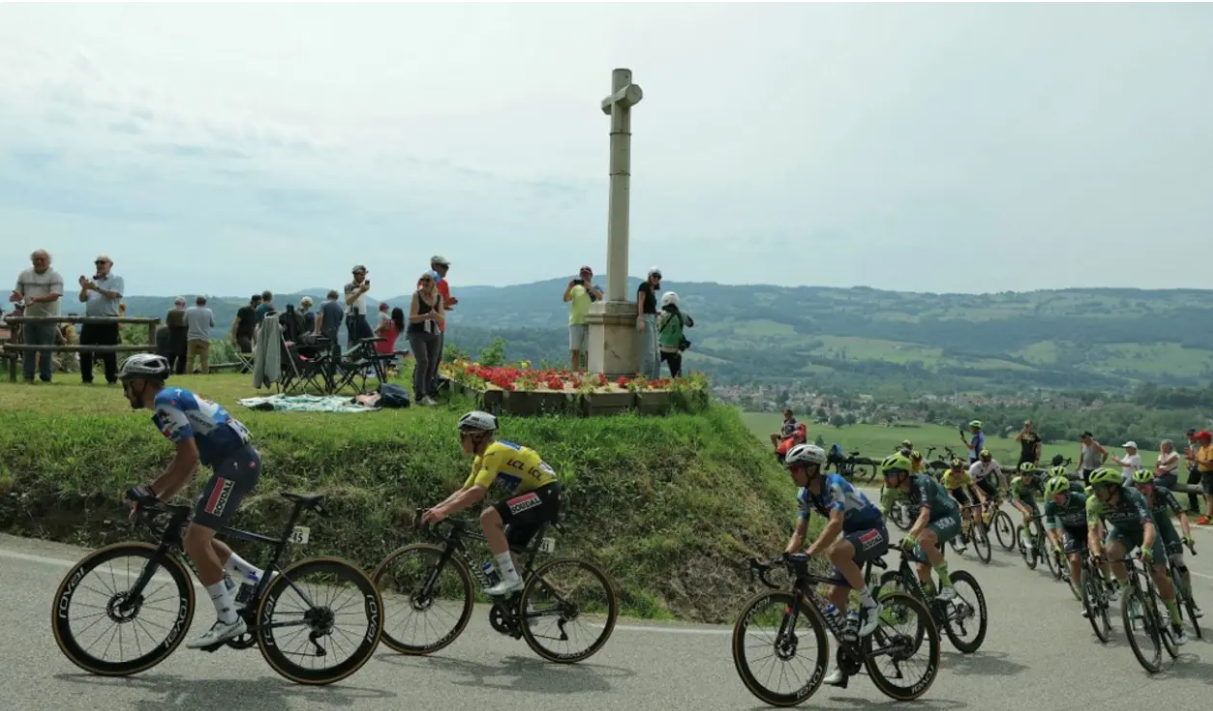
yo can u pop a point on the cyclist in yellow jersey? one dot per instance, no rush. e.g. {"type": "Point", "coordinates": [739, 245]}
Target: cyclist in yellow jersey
{"type": "Point", "coordinates": [961, 487]}
{"type": "Point", "coordinates": [533, 494]}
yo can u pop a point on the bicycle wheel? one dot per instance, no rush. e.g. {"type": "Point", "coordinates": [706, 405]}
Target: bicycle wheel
{"type": "Point", "coordinates": [1064, 564]}
{"type": "Point", "coordinates": [1045, 550]}
{"type": "Point", "coordinates": [965, 620]}
{"type": "Point", "coordinates": [335, 604]}
{"type": "Point", "coordinates": [563, 593]}
{"type": "Point", "coordinates": [1189, 605]}
{"type": "Point", "coordinates": [897, 513]}
{"type": "Point", "coordinates": [1141, 630]}
{"type": "Point", "coordinates": [421, 598]}
{"type": "Point", "coordinates": [901, 634]}
{"type": "Point", "coordinates": [764, 635]}
{"type": "Point", "coordinates": [1004, 530]}
{"type": "Point", "coordinates": [981, 541]}
{"type": "Point", "coordinates": [1095, 601]}
{"type": "Point", "coordinates": [1028, 552]}
{"type": "Point", "coordinates": [97, 591]}
{"type": "Point", "coordinates": [1163, 618]}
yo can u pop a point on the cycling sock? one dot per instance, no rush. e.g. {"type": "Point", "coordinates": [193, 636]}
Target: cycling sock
{"type": "Point", "coordinates": [221, 598]}
{"type": "Point", "coordinates": [942, 569]}
{"type": "Point", "coordinates": [865, 597]}
{"type": "Point", "coordinates": [1173, 608]}
{"type": "Point", "coordinates": [928, 586]}
{"type": "Point", "coordinates": [236, 564]}
{"type": "Point", "coordinates": [505, 564]}
{"type": "Point", "coordinates": [1124, 582]}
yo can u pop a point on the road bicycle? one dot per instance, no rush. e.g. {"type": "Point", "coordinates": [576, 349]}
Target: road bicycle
{"type": "Point", "coordinates": [999, 521]}
{"type": "Point", "coordinates": [1143, 615]}
{"type": "Point", "coordinates": [412, 580]}
{"type": "Point", "coordinates": [958, 617]}
{"type": "Point", "coordinates": [327, 606]}
{"type": "Point", "coordinates": [775, 625]}
{"type": "Point", "coordinates": [1183, 595]}
{"type": "Point", "coordinates": [899, 511]}
{"type": "Point", "coordinates": [1096, 598]}
{"type": "Point", "coordinates": [1040, 547]}
{"type": "Point", "coordinates": [852, 467]}
{"type": "Point", "coordinates": [975, 534]}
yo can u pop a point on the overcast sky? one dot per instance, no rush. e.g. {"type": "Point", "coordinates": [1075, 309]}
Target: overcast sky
{"type": "Point", "coordinates": [226, 149]}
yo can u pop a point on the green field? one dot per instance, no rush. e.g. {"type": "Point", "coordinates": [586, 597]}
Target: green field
{"type": "Point", "coordinates": [877, 440]}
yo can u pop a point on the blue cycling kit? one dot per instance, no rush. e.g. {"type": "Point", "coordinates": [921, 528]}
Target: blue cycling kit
{"type": "Point", "coordinates": [182, 415]}
{"type": "Point", "coordinates": [837, 494]}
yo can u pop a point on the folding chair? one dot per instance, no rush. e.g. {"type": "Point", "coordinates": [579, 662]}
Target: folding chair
{"type": "Point", "coordinates": [359, 363]}
{"type": "Point", "coordinates": [300, 371]}
{"type": "Point", "coordinates": [245, 361]}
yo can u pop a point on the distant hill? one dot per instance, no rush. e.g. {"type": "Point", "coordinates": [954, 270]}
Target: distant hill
{"type": "Point", "coordinates": [864, 338]}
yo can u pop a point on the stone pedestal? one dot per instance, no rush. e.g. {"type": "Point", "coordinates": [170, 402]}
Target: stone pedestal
{"type": "Point", "coordinates": [614, 342]}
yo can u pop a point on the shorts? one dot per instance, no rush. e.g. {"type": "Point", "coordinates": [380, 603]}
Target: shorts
{"type": "Point", "coordinates": [1165, 530]}
{"type": "Point", "coordinates": [232, 478]}
{"type": "Point", "coordinates": [525, 514]}
{"type": "Point", "coordinates": [1131, 541]}
{"type": "Point", "coordinates": [1074, 540]}
{"type": "Point", "coordinates": [988, 487]}
{"type": "Point", "coordinates": [579, 337]}
{"type": "Point", "coordinates": [960, 495]}
{"type": "Point", "coordinates": [1206, 482]}
{"type": "Point", "coordinates": [945, 528]}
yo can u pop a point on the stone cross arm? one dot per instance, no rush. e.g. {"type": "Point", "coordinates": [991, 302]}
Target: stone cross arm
{"type": "Point", "coordinates": [625, 98]}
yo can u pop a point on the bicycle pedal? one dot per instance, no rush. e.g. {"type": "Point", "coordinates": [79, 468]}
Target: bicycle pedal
{"type": "Point", "coordinates": [213, 648]}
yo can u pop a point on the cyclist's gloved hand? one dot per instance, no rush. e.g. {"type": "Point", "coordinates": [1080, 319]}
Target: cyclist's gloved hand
{"type": "Point", "coordinates": [1187, 541]}
{"type": "Point", "coordinates": [909, 542]}
{"type": "Point", "coordinates": [1146, 555]}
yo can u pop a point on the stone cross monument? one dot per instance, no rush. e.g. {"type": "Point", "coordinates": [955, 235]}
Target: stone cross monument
{"type": "Point", "coordinates": [614, 347]}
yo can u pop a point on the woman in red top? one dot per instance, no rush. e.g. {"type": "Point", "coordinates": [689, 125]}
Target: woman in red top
{"type": "Point", "coordinates": [390, 330]}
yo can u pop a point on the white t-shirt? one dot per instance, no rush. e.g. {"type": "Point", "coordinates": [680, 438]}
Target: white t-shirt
{"type": "Point", "coordinates": [359, 304]}
{"type": "Point", "coordinates": [1132, 462]}
{"type": "Point", "coordinates": [980, 471]}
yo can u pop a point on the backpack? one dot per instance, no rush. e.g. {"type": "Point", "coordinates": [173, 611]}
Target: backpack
{"type": "Point", "coordinates": [392, 395]}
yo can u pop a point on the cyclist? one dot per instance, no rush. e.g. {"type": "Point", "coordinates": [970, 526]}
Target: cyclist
{"type": "Point", "coordinates": [959, 486]}
{"type": "Point", "coordinates": [987, 474]}
{"type": "Point", "coordinates": [1162, 503]}
{"type": "Point", "coordinates": [916, 464]}
{"type": "Point", "coordinates": [1130, 525]}
{"type": "Point", "coordinates": [1066, 523]}
{"type": "Point", "coordinates": [204, 433]}
{"type": "Point", "coordinates": [937, 523]}
{"type": "Point", "coordinates": [1024, 489]}
{"type": "Point", "coordinates": [854, 534]}
{"type": "Point", "coordinates": [533, 494]}
{"type": "Point", "coordinates": [906, 447]}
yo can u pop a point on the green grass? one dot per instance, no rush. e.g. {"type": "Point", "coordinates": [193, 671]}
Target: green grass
{"type": "Point", "coordinates": [872, 349]}
{"type": "Point", "coordinates": [671, 505]}
{"type": "Point", "coordinates": [1159, 359]}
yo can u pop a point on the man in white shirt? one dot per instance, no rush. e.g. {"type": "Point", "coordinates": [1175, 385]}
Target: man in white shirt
{"type": "Point", "coordinates": [1130, 464]}
{"type": "Point", "coordinates": [986, 473]}
{"type": "Point", "coordinates": [101, 296]}
{"type": "Point", "coordinates": [40, 288]}
{"type": "Point", "coordinates": [356, 324]}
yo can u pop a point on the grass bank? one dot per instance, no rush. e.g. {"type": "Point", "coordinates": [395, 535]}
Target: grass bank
{"type": "Point", "coordinates": [669, 505]}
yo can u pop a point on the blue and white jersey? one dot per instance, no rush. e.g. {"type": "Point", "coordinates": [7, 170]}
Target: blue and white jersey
{"type": "Point", "coordinates": [837, 494]}
{"type": "Point", "coordinates": [182, 415]}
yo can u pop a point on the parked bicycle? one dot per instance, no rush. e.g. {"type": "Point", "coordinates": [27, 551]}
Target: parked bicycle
{"type": "Point", "coordinates": [852, 467]}
{"type": "Point", "coordinates": [326, 606]}
{"type": "Point", "coordinates": [412, 580]}
{"type": "Point", "coordinates": [1142, 613]}
{"type": "Point", "coordinates": [958, 617]}
{"type": "Point", "coordinates": [785, 622]}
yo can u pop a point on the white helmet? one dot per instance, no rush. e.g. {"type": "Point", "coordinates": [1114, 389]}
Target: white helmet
{"type": "Point", "coordinates": [144, 365]}
{"type": "Point", "coordinates": [805, 454]}
{"type": "Point", "coordinates": [478, 420]}
{"type": "Point", "coordinates": [669, 298]}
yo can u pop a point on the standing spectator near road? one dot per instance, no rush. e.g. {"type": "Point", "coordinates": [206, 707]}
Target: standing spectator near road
{"type": "Point", "coordinates": [328, 325]}
{"type": "Point", "coordinates": [265, 308]}
{"type": "Point", "coordinates": [1130, 464]}
{"type": "Point", "coordinates": [200, 321]}
{"type": "Point", "coordinates": [356, 325]}
{"type": "Point", "coordinates": [579, 294]}
{"type": "Point", "coordinates": [1193, 472]}
{"type": "Point", "coordinates": [425, 315]}
{"type": "Point", "coordinates": [1091, 456]}
{"type": "Point", "coordinates": [1204, 465]}
{"type": "Point", "coordinates": [164, 345]}
{"type": "Point", "coordinates": [439, 267]}
{"type": "Point", "coordinates": [1029, 444]}
{"type": "Point", "coordinates": [309, 316]}
{"type": "Point", "coordinates": [1165, 465]}
{"type": "Point", "coordinates": [646, 324]}
{"type": "Point", "coordinates": [101, 296]}
{"type": "Point", "coordinates": [245, 325]}
{"type": "Point", "coordinates": [178, 335]}
{"type": "Point", "coordinates": [978, 441]}
{"type": "Point", "coordinates": [39, 289]}
{"type": "Point", "coordinates": [671, 336]}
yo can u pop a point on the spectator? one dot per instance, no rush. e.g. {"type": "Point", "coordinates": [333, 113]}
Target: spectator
{"type": "Point", "coordinates": [245, 324]}
{"type": "Point", "coordinates": [579, 294]}
{"type": "Point", "coordinates": [1166, 464]}
{"type": "Point", "coordinates": [328, 325]}
{"type": "Point", "coordinates": [786, 429]}
{"type": "Point", "coordinates": [164, 346]}
{"type": "Point", "coordinates": [1193, 472]}
{"type": "Point", "coordinates": [292, 323]}
{"type": "Point", "coordinates": [39, 290]}
{"type": "Point", "coordinates": [646, 323]}
{"type": "Point", "coordinates": [384, 319]}
{"type": "Point", "coordinates": [670, 330]}
{"type": "Point", "coordinates": [263, 309]}
{"type": "Point", "coordinates": [309, 316]}
{"type": "Point", "coordinates": [1091, 456]}
{"type": "Point", "coordinates": [439, 267]}
{"type": "Point", "coordinates": [1204, 465]}
{"type": "Point", "coordinates": [390, 330]}
{"type": "Point", "coordinates": [1029, 444]}
{"type": "Point", "coordinates": [425, 317]}
{"type": "Point", "coordinates": [178, 335]}
{"type": "Point", "coordinates": [200, 320]}
{"type": "Point", "coordinates": [977, 443]}
{"type": "Point", "coordinates": [102, 296]}
{"type": "Point", "coordinates": [1130, 464]}
{"type": "Point", "coordinates": [356, 325]}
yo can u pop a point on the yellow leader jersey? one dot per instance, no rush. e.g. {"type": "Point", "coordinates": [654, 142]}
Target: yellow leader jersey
{"type": "Point", "coordinates": [519, 469]}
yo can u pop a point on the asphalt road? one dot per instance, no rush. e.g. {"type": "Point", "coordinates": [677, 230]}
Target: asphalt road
{"type": "Point", "coordinates": [1039, 650]}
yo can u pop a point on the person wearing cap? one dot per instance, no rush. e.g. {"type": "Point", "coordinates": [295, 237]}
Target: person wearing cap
{"type": "Point", "coordinates": [1204, 465]}
{"type": "Point", "coordinates": [646, 323]}
{"type": "Point", "coordinates": [101, 296]}
{"type": "Point", "coordinates": [356, 326]}
{"type": "Point", "coordinates": [1193, 472]}
{"type": "Point", "coordinates": [579, 294]}
{"type": "Point", "coordinates": [1130, 464]}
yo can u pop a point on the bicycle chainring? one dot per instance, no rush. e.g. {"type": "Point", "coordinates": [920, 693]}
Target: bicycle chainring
{"type": "Point", "coordinates": [848, 664]}
{"type": "Point", "coordinates": [501, 622]}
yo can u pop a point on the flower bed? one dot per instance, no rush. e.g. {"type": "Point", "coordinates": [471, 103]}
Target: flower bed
{"type": "Point", "coordinates": [520, 389]}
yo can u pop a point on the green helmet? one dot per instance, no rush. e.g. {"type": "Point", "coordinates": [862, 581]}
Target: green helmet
{"type": "Point", "coordinates": [895, 463]}
{"type": "Point", "coordinates": [916, 455]}
{"type": "Point", "coordinates": [1104, 476]}
{"type": "Point", "coordinates": [1027, 468]}
{"type": "Point", "coordinates": [984, 454]}
{"type": "Point", "coordinates": [907, 444]}
{"type": "Point", "coordinates": [975, 424]}
{"type": "Point", "coordinates": [1058, 471]}
{"type": "Point", "coordinates": [1057, 485]}
{"type": "Point", "coordinates": [1143, 476]}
